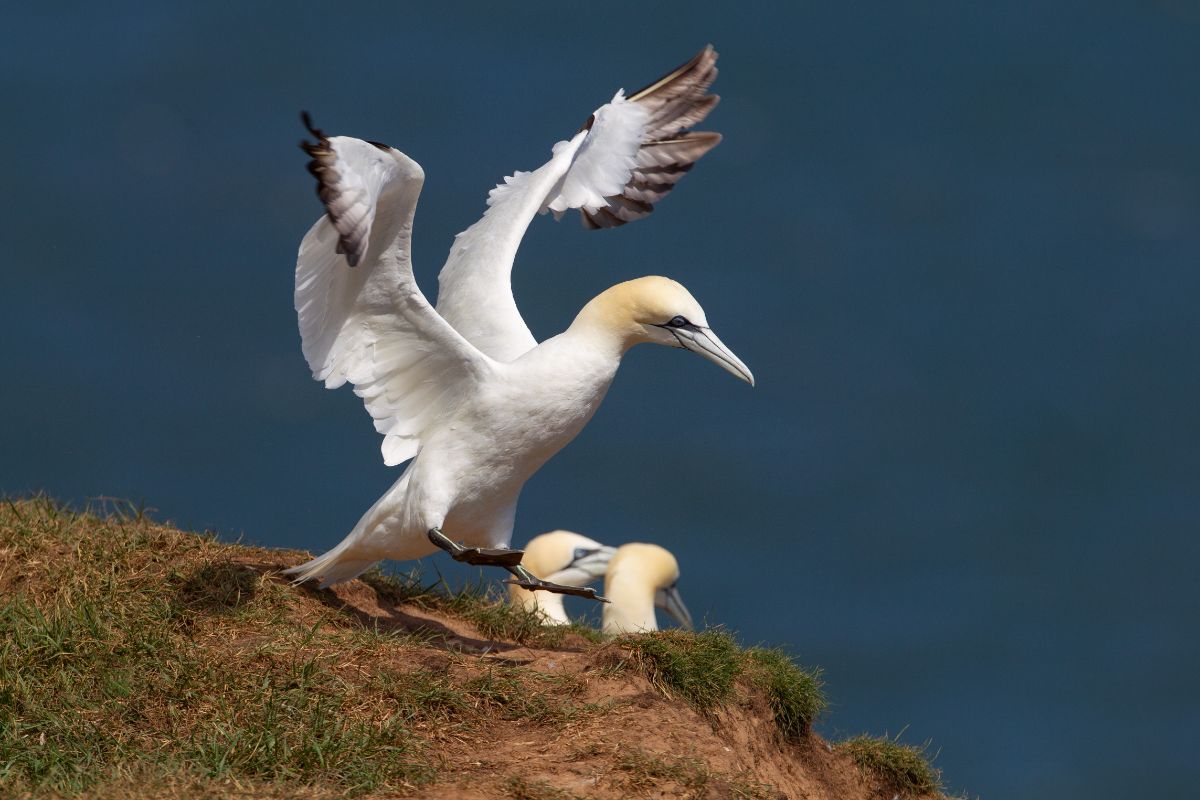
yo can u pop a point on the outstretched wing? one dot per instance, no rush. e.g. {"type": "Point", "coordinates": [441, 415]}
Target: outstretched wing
{"type": "Point", "coordinates": [370, 324]}
{"type": "Point", "coordinates": [629, 155]}
{"type": "Point", "coordinates": [673, 104]}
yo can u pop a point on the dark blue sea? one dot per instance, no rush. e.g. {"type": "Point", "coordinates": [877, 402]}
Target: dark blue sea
{"type": "Point", "coordinates": [958, 244]}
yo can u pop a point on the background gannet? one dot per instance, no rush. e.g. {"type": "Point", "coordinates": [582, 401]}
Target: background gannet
{"type": "Point", "coordinates": [642, 577]}
{"type": "Point", "coordinates": [465, 391]}
{"type": "Point", "coordinates": [561, 557]}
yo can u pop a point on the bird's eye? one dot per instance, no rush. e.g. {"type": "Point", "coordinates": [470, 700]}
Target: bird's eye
{"type": "Point", "coordinates": [678, 322]}
{"type": "Point", "coordinates": [580, 552]}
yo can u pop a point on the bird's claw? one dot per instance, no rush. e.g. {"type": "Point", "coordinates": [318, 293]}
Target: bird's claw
{"type": "Point", "coordinates": [489, 557]}
{"type": "Point", "coordinates": [479, 556]}
{"type": "Point", "coordinates": [558, 588]}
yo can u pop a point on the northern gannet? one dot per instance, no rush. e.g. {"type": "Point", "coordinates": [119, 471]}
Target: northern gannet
{"type": "Point", "coordinates": [465, 391]}
{"type": "Point", "coordinates": [642, 577]}
{"type": "Point", "coordinates": [559, 557]}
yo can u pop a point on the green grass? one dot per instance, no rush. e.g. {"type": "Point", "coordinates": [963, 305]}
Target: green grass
{"type": "Point", "coordinates": [903, 768]}
{"type": "Point", "coordinates": [704, 669]}
{"type": "Point", "coordinates": [480, 604]}
{"type": "Point", "coordinates": [97, 688]}
{"type": "Point", "coordinates": [131, 648]}
{"type": "Point", "coordinates": [700, 668]}
{"type": "Point", "coordinates": [133, 654]}
{"type": "Point", "coordinates": [795, 694]}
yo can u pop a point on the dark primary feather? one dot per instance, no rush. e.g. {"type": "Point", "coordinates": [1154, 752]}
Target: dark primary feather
{"type": "Point", "coordinates": [352, 231]}
{"type": "Point", "coordinates": [674, 103]}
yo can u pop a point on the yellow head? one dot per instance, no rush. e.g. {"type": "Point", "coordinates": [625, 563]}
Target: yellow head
{"type": "Point", "coordinates": [657, 310]}
{"type": "Point", "coordinates": [640, 578]}
{"type": "Point", "coordinates": [560, 557]}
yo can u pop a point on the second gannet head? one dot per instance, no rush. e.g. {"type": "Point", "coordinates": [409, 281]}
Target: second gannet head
{"type": "Point", "coordinates": [560, 557]}
{"type": "Point", "coordinates": [642, 577]}
{"type": "Point", "coordinates": [659, 310]}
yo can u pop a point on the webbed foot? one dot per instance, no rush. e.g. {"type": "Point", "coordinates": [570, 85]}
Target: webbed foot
{"type": "Point", "coordinates": [488, 557]}
{"type": "Point", "coordinates": [479, 556]}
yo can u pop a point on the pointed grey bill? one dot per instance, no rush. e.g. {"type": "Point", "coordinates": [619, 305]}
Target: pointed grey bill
{"type": "Point", "coordinates": [704, 342]}
{"type": "Point", "coordinates": [670, 601]}
{"type": "Point", "coordinates": [585, 569]}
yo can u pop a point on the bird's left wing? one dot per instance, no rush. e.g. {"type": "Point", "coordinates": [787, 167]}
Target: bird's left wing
{"type": "Point", "coordinates": [628, 155]}
{"type": "Point", "coordinates": [362, 317]}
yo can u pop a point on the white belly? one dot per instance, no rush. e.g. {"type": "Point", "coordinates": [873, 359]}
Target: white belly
{"type": "Point", "coordinates": [470, 471]}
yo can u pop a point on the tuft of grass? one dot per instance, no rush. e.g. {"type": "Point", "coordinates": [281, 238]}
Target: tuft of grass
{"type": "Point", "coordinates": [396, 587]}
{"type": "Point", "coordinates": [217, 587]}
{"type": "Point", "coordinates": [795, 694]}
{"type": "Point", "coordinates": [704, 668]}
{"type": "Point", "coordinates": [902, 767]}
{"type": "Point", "coordinates": [480, 604]}
{"type": "Point", "coordinates": [700, 668]}
{"type": "Point", "coordinates": [496, 619]}
{"type": "Point", "coordinates": [520, 694]}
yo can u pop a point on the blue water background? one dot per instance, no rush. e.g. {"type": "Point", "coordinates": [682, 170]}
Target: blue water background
{"type": "Point", "coordinates": [958, 244]}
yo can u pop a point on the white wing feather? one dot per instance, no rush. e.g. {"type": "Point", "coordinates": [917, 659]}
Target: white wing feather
{"type": "Point", "coordinates": [371, 325]}
{"type": "Point", "coordinates": [603, 163]}
{"type": "Point", "coordinates": [629, 154]}
{"type": "Point", "coordinates": [474, 291]}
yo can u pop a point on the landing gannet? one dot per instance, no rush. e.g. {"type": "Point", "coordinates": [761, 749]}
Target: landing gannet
{"type": "Point", "coordinates": [560, 557]}
{"type": "Point", "coordinates": [465, 391]}
{"type": "Point", "coordinates": [642, 577]}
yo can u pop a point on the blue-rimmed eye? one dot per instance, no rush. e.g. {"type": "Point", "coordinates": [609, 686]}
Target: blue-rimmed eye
{"type": "Point", "coordinates": [678, 322]}
{"type": "Point", "coordinates": [580, 552]}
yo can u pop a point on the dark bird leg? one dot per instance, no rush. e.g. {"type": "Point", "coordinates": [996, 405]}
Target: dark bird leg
{"type": "Point", "coordinates": [527, 580]}
{"type": "Point", "coordinates": [511, 561]}
{"type": "Point", "coordinates": [480, 556]}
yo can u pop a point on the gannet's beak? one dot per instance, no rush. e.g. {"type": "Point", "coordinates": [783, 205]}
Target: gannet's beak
{"type": "Point", "coordinates": [669, 601]}
{"type": "Point", "coordinates": [589, 566]}
{"type": "Point", "coordinates": [704, 342]}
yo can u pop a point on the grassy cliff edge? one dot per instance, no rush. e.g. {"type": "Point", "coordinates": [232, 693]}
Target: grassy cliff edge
{"type": "Point", "coordinates": [140, 660]}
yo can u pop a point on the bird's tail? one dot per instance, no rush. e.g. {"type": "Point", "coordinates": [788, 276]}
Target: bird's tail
{"type": "Point", "coordinates": [350, 558]}
{"type": "Point", "coordinates": [333, 567]}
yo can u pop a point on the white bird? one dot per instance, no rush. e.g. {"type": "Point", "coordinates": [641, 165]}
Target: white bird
{"type": "Point", "coordinates": [563, 557]}
{"type": "Point", "coordinates": [641, 578]}
{"type": "Point", "coordinates": [465, 391]}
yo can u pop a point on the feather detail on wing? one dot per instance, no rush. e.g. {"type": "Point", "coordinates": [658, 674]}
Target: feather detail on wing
{"type": "Point", "coordinates": [474, 287]}
{"type": "Point", "coordinates": [371, 325]}
{"type": "Point", "coordinates": [628, 155]}
{"type": "Point", "coordinates": [349, 180]}
{"type": "Point", "coordinates": [605, 159]}
{"type": "Point", "coordinates": [672, 104]}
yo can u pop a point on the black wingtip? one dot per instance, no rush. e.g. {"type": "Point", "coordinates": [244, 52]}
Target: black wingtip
{"type": "Point", "coordinates": [707, 53]}
{"type": "Point", "coordinates": [319, 147]}
{"type": "Point", "coordinates": [306, 118]}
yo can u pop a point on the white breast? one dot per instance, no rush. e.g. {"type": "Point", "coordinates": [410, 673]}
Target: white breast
{"type": "Point", "coordinates": [481, 454]}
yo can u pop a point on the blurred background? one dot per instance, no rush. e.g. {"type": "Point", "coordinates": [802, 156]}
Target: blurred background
{"type": "Point", "coordinates": [957, 243]}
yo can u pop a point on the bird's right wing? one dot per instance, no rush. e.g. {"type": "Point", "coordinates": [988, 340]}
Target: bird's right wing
{"type": "Point", "coordinates": [627, 156]}
{"type": "Point", "coordinates": [362, 317]}
{"type": "Point", "coordinates": [667, 150]}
